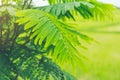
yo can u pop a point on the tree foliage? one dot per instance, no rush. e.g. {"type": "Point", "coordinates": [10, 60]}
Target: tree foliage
{"type": "Point", "coordinates": [35, 43]}
{"type": "Point", "coordinates": [85, 9]}
{"type": "Point", "coordinates": [55, 34]}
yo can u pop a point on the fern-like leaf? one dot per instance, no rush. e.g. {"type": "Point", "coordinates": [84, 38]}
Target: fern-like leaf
{"type": "Point", "coordinates": [45, 27]}
{"type": "Point", "coordinates": [66, 9]}
{"type": "Point", "coordinates": [103, 11]}
{"type": "Point", "coordinates": [70, 9]}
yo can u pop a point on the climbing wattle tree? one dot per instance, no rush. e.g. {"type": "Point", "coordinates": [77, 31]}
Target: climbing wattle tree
{"type": "Point", "coordinates": [37, 44]}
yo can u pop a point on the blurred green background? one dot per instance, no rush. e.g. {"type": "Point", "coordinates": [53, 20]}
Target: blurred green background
{"type": "Point", "coordinates": [104, 55]}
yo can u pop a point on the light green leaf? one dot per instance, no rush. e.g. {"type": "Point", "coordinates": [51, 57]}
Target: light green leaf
{"type": "Point", "coordinates": [56, 33]}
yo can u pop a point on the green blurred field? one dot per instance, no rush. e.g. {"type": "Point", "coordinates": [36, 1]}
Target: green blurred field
{"type": "Point", "coordinates": [103, 57]}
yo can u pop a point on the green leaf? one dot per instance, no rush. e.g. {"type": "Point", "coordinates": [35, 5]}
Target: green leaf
{"type": "Point", "coordinates": [66, 9]}
{"type": "Point", "coordinates": [70, 9]}
{"type": "Point", "coordinates": [56, 33]}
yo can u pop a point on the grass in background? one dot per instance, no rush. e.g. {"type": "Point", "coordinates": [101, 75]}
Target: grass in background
{"type": "Point", "coordinates": [104, 57]}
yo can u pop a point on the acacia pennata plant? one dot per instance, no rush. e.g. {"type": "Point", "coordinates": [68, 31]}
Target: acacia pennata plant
{"type": "Point", "coordinates": [37, 44]}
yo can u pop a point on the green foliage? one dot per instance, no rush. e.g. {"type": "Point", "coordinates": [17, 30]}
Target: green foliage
{"type": "Point", "coordinates": [32, 65]}
{"type": "Point", "coordinates": [6, 70]}
{"type": "Point", "coordinates": [69, 9]}
{"type": "Point", "coordinates": [37, 47]}
{"type": "Point", "coordinates": [7, 28]}
{"type": "Point", "coordinates": [56, 34]}
{"type": "Point", "coordinates": [102, 11]}
{"type": "Point", "coordinates": [66, 1]}
{"type": "Point", "coordinates": [92, 9]}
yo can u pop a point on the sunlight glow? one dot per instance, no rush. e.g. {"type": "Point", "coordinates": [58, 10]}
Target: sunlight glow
{"type": "Point", "coordinates": [0, 2]}
{"type": "Point", "coordinates": [40, 2]}
{"type": "Point", "coordinates": [44, 2]}
{"type": "Point", "coordinates": [115, 2]}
